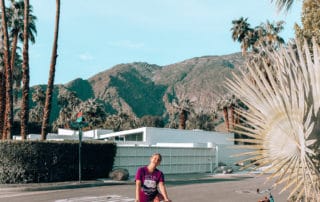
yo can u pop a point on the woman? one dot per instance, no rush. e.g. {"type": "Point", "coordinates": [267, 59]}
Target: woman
{"type": "Point", "coordinates": [148, 180]}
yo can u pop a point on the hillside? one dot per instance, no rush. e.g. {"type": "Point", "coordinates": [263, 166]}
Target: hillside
{"type": "Point", "coordinates": [145, 89]}
{"type": "Point", "coordinates": [140, 88]}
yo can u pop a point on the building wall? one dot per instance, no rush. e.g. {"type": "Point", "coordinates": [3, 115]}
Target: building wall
{"type": "Point", "coordinates": [166, 135]}
{"type": "Point", "coordinates": [175, 159]}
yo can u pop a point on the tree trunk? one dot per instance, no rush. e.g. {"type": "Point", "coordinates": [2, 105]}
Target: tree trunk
{"type": "Point", "coordinates": [25, 74]}
{"type": "Point", "coordinates": [13, 57]}
{"type": "Point", "coordinates": [183, 119]}
{"type": "Point", "coordinates": [8, 116]}
{"type": "Point", "coordinates": [226, 117]}
{"type": "Point", "coordinates": [2, 104]}
{"type": "Point", "coordinates": [47, 108]}
{"type": "Point", "coordinates": [233, 122]}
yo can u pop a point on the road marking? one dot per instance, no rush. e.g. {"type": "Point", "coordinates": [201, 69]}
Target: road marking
{"type": "Point", "coordinates": [108, 198]}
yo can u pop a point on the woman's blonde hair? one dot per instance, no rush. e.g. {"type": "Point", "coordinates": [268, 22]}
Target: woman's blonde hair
{"type": "Point", "coordinates": [157, 154]}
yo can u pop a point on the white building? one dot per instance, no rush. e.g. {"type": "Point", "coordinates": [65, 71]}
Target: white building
{"type": "Point", "coordinates": [183, 151]}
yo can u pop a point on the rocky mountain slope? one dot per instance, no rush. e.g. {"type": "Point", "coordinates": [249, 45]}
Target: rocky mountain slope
{"type": "Point", "coordinates": [140, 89]}
{"type": "Point", "coordinates": [146, 89]}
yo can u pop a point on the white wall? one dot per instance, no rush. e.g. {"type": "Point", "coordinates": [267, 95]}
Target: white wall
{"type": "Point", "coordinates": [177, 160]}
{"type": "Point", "coordinates": [156, 135]}
{"type": "Point", "coordinates": [174, 160]}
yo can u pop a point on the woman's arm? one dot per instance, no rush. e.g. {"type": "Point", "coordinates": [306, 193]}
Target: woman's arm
{"type": "Point", "coordinates": [138, 187]}
{"type": "Point", "coordinates": [163, 191]}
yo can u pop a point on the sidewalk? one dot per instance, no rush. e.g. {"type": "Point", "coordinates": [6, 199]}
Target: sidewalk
{"type": "Point", "coordinates": [171, 179]}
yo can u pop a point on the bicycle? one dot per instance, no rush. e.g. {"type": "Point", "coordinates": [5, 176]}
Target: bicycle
{"type": "Point", "coordinates": [266, 198]}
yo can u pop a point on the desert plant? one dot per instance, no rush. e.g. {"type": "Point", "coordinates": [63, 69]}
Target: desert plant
{"type": "Point", "coordinates": [283, 116]}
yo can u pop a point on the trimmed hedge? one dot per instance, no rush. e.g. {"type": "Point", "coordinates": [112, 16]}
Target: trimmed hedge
{"type": "Point", "coordinates": [49, 161]}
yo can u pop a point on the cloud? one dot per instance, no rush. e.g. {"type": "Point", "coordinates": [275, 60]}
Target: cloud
{"type": "Point", "coordinates": [127, 44]}
{"type": "Point", "coordinates": [85, 56]}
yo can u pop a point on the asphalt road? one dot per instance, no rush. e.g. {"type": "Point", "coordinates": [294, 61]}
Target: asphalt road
{"type": "Point", "coordinates": [211, 188]}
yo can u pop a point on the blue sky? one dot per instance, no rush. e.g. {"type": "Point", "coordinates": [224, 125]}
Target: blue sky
{"type": "Point", "coordinates": [95, 35]}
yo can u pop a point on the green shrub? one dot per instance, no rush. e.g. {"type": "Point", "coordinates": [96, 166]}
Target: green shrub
{"type": "Point", "coordinates": [47, 161]}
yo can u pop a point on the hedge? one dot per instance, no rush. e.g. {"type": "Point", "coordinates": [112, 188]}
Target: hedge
{"type": "Point", "coordinates": [51, 161]}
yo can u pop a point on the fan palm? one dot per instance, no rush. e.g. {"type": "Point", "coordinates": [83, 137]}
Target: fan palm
{"type": "Point", "coordinates": [242, 33]}
{"type": "Point", "coordinates": [268, 35]}
{"type": "Point", "coordinates": [281, 115]}
{"type": "Point", "coordinates": [68, 101]}
{"type": "Point", "coordinates": [185, 107]}
{"type": "Point", "coordinates": [38, 97]}
{"type": "Point", "coordinates": [22, 27]}
{"type": "Point", "coordinates": [17, 25]}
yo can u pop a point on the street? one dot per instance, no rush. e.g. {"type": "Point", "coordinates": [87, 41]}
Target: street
{"type": "Point", "coordinates": [229, 189]}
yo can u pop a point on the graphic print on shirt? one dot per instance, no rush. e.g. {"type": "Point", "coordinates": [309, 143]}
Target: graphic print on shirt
{"type": "Point", "coordinates": [150, 185]}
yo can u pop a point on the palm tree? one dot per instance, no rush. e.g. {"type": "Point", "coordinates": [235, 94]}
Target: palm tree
{"type": "Point", "coordinates": [8, 116]}
{"type": "Point", "coordinates": [2, 89]}
{"type": "Point", "coordinates": [2, 102]}
{"type": "Point", "coordinates": [242, 33]}
{"type": "Point", "coordinates": [151, 121]}
{"type": "Point", "coordinates": [267, 36]}
{"type": "Point", "coordinates": [68, 101]}
{"type": "Point", "coordinates": [282, 118]}
{"type": "Point", "coordinates": [47, 108]}
{"type": "Point", "coordinates": [120, 121]}
{"type": "Point", "coordinates": [224, 105]}
{"type": "Point", "coordinates": [113, 122]}
{"type": "Point", "coordinates": [16, 18]}
{"type": "Point", "coordinates": [19, 22]}
{"type": "Point", "coordinates": [25, 67]}
{"type": "Point", "coordinates": [93, 113]}
{"type": "Point", "coordinates": [184, 107]}
{"type": "Point", "coordinates": [201, 121]}
{"type": "Point", "coordinates": [38, 97]}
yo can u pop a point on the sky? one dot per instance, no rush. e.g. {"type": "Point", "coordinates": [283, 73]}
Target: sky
{"type": "Point", "coordinates": [96, 35]}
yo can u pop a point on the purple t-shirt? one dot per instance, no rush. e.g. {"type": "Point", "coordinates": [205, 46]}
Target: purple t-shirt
{"type": "Point", "coordinates": [149, 182]}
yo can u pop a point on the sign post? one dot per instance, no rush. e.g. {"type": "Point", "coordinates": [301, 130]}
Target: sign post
{"type": "Point", "coordinates": [79, 124]}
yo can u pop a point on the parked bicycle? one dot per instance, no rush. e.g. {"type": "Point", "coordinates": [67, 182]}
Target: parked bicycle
{"type": "Point", "coordinates": [268, 198]}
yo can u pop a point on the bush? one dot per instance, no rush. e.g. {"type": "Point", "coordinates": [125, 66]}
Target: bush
{"type": "Point", "coordinates": [44, 161]}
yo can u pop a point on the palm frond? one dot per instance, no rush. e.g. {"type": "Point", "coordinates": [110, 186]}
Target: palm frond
{"type": "Point", "coordinates": [283, 98]}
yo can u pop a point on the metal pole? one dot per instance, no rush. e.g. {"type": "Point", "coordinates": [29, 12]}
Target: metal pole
{"type": "Point", "coordinates": [80, 137]}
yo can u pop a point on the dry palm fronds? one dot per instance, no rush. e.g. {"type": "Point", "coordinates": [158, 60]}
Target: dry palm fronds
{"type": "Point", "coordinates": [283, 102]}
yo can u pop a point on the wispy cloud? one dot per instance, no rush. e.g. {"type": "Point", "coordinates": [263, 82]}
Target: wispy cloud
{"type": "Point", "coordinates": [127, 44]}
{"type": "Point", "coordinates": [85, 56]}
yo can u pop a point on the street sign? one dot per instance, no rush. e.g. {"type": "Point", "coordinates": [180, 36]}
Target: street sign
{"type": "Point", "coordinates": [79, 117]}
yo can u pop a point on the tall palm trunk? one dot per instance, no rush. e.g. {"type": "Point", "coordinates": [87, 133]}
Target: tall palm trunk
{"type": "Point", "coordinates": [226, 117]}
{"type": "Point", "coordinates": [183, 119]}
{"type": "Point", "coordinates": [232, 114]}
{"type": "Point", "coordinates": [8, 116]}
{"type": "Point", "coordinates": [2, 103]}
{"type": "Point", "coordinates": [25, 75]}
{"type": "Point", "coordinates": [47, 108]}
{"type": "Point", "coordinates": [13, 57]}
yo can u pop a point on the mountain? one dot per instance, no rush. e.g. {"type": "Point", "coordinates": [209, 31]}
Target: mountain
{"type": "Point", "coordinates": [142, 89]}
